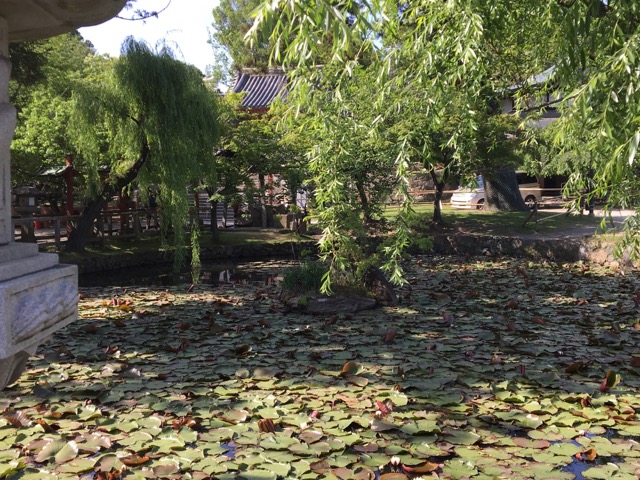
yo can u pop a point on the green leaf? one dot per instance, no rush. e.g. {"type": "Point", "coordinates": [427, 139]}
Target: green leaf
{"type": "Point", "coordinates": [633, 148]}
{"type": "Point", "coordinates": [50, 450]}
{"type": "Point", "coordinates": [258, 475]}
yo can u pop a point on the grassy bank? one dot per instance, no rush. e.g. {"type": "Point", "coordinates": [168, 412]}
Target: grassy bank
{"type": "Point", "coordinates": [502, 223]}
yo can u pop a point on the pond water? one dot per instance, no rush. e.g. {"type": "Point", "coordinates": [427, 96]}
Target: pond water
{"type": "Point", "coordinates": [210, 274]}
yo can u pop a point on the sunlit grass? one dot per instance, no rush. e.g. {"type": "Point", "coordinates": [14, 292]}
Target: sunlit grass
{"type": "Point", "coordinates": [501, 223]}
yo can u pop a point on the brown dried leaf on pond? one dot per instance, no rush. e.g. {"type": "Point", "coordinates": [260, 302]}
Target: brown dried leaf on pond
{"type": "Point", "coordinates": [134, 460]}
{"type": "Point", "coordinates": [17, 419]}
{"type": "Point", "coordinates": [266, 425]}
{"type": "Point", "coordinates": [351, 368]}
{"type": "Point", "coordinates": [426, 467]}
{"type": "Point", "coordinates": [321, 466]}
{"type": "Point", "coordinates": [575, 367]}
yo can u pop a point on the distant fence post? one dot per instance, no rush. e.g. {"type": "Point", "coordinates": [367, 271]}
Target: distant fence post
{"type": "Point", "coordinates": [56, 226]}
{"type": "Point", "coordinates": [136, 222]}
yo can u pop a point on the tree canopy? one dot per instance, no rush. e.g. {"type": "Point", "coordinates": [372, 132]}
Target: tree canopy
{"type": "Point", "coordinates": [47, 74]}
{"type": "Point", "coordinates": [151, 118]}
{"type": "Point", "coordinates": [145, 118]}
{"type": "Point", "coordinates": [231, 21]}
{"type": "Point", "coordinates": [475, 50]}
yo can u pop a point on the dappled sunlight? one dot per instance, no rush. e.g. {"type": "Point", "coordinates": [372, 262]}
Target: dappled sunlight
{"type": "Point", "coordinates": [488, 367]}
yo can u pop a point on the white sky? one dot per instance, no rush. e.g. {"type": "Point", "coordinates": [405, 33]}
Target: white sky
{"type": "Point", "coordinates": [184, 24]}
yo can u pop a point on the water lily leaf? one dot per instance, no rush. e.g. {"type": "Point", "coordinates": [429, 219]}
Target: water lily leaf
{"type": "Point", "coordinates": [134, 460]}
{"type": "Point", "coordinates": [239, 351]}
{"type": "Point", "coordinates": [320, 466]}
{"type": "Point", "coordinates": [421, 427]}
{"type": "Point", "coordinates": [301, 449]}
{"type": "Point", "coordinates": [11, 467]}
{"type": "Point", "coordinates": [343, 473]}
{"type": "Point", "coordinates": [577, 366]}
{"type": "Point", "coordinates": [603, 472]}
{"type": "Point", "coordinates": [393, 476]}
{"type": "Point", "coordinates": [280, 469]}
{"type": "Point", "coordinates": [217, 435]}
{"type": "Point", "coordinates": [108, 463]}
{"type": "Point", "coordinates": [270, 413]}
{"type": "Point", "coordinates": [367, 448]}
{"type": "Point", "coordinates": [399, 399]}
{"type": "Point", "coordinates": [588, 455]}
{"type": "Point", "coordinates": [357, 380]}
{"type": "Point", "coordinates": [89, 412]}
{"type": "Point", "coordinates": [210, 466]}
{"type": "Point", "coordinates": [310, 436]}
{"type": "Point", "coordinates": [379, 425]}
{"type": "Point", "coordinates": [67, 453]}
{"type": "Point", "coordinates": [348, 440]}
{"type": "Point", "coordinates": [150, 421]}
{"type": "Point", "coordinates": [611, 379]}
{"type": "Point", "coordinates": [390, 336]}
{"type": "Point", "coordinates": [167, 443]}
{"type": "Point", "coordinates": [50, 450]}
{"type": "Point", "coordinates": [264, 373]}
{"type": "Point", "coordinates": [235, 416]}
{"type": "Point", "coordinates": [565, 449]}
{"type": "Point", "coordinates": [426, 467]}
{"type": "Point", "coordinates": [462, 437]}
{"type": "Point", "coordinates": [527, 443]}
{"type": "Point", "coordinates": [629, 430]}
{"type": "Point", "coordinates": [257, 475]}
{"type": "Point", "coordinates": [17, 419]}
{"type": "Point", "coordinates": [78, 465]}
{"type": "Point", "coordinates": [459, 469]}
{"type": "Point", "coordinates": [351, 368]}
{"type": "Point", "coordinates": [191, 411]}
{"type": "Point", "coordinates": [301, 466]}
{"type": "Point", "coordinates": [266, 425]}
{"type": "Point", "coordinates": [166, 469]}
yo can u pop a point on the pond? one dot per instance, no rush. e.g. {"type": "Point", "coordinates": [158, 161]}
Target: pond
{"type": "Point", "coordinates": [265, 273]}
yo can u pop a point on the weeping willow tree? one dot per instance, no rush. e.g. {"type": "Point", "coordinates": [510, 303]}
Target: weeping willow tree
{"type": "Point", "coordinates": [151, 119]}
{"type": "Point", "coordinates": [441, 55]}
{"type": "Point", "coordinates": [477, 48]}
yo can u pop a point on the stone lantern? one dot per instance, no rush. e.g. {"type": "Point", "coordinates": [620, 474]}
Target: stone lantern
{"type": "Point", "coordinates": [37, 294]}
{"type": "Point", "coordinates": [26, 200]}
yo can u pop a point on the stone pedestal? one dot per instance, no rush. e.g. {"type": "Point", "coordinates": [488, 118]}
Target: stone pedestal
{"type": "Point", "coordinates": [37, 295]}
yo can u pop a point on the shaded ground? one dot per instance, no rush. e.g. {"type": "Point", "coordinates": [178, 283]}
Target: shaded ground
{"type": "Point", "coordinates": [487, 369]}
{"type": "Point", "coordinates": [548, 223]}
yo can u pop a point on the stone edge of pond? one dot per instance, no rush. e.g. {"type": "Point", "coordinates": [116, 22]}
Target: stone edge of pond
{"type": "Point", "coordinates": [588, 248]}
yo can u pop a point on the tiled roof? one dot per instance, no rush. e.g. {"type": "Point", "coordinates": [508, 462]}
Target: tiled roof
{"type": "Point", "coordinates": [261, 88]}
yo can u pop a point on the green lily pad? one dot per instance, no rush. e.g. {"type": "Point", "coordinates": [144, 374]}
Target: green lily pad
{"type": "Point", "coordinates": [257, 475]}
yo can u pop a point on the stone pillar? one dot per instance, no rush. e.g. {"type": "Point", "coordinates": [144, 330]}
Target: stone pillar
{"type": "Point", "coordinates": [37, 294]}
{"type": "Point", "coordinates": [7, 127]}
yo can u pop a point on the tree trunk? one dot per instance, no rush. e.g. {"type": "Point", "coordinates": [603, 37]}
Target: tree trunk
{"type": "Point", "coordinates": [437, 202]}
{"type": "Point", "coordinates": [501, 191]}
{"type": "Point", "coordinates": [80, 234]}
{"type": "Point", "coordinates": [364, 201]}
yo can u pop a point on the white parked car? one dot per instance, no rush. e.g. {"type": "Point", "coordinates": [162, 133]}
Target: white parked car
{"type": "Point", "coordinates": [473, 196]}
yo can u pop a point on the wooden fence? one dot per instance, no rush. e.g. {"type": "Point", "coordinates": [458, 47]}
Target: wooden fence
{"type": "Point", "coordinates": [54, 229]}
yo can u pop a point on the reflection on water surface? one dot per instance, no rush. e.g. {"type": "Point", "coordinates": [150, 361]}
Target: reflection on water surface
{"type": "Point", "coordinates": [210, 274]}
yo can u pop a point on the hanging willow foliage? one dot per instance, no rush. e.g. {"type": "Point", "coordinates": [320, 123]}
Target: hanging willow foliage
{"type": "Point", "coordinates": [152, 120]}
